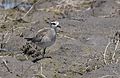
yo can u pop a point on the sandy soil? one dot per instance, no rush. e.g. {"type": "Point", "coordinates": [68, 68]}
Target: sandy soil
{"type": "Point", "coordinates": [81, 42]}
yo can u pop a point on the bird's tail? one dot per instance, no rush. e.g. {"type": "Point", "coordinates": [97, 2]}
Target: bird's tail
{"type": "Point", "coordinates": [28, 39]}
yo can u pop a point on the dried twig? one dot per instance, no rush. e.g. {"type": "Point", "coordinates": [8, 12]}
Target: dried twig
{"type": "Point", "coordinates": [31, 8]}
{"type": "Point", "coordinates": [65, 36]}
{"type": "Point", "coordinates": [28, 11]}
{"type": "Point", "coordinates": [41, 72]}
{"type": "Point", "coordinates": [8, 39]}
{"type": "Point", "coordinates": [115, 72]}
{"type": "Point", "coordinates": [106, 76]}
{"type": "Point", "coordinates": [104, 55]}
{"type": "Point", "coordinates": [5, 64]}
{"type": "Point", "coordinates": [113, 56]}
{"type": "Point", "coordinates": [115, 40]}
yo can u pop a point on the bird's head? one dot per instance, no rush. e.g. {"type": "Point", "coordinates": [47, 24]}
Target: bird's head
{"type": "Point", "coordinates": [55, 24]}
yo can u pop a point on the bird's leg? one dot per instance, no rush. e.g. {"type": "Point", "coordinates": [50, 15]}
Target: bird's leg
{"type": "Point", "coordinates": [43, 56]}
{"type": "Point", "coordinates": [44, 52]}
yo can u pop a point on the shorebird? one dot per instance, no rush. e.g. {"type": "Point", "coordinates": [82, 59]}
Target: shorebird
{"type": "Point", "coordinates": [45, 37]}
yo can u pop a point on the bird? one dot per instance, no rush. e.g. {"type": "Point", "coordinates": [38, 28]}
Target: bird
{"type": "Point", "coordinates": [45, 37]}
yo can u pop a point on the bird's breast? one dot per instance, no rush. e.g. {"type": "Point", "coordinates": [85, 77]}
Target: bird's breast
{"type": "Point", "coordinates": [47, 41]}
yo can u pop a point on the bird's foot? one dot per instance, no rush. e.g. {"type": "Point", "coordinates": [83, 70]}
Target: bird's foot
{"type": "Point", "coordinates": [40, 58]}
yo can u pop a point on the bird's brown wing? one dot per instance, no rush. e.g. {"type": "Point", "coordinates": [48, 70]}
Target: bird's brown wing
{"type": "Point", "coordinates": [41, 33]}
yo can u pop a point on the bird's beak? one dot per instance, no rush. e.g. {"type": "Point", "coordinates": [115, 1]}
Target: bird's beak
{"type": "Point", "coordinates": [59, 26]}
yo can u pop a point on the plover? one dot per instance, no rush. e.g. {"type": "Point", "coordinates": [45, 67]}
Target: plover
{"type": "Point", "coordinates": [45, 37]}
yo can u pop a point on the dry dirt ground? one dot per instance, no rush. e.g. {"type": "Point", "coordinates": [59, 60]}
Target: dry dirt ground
{"type": "Point", "coordinates": [80, 46]}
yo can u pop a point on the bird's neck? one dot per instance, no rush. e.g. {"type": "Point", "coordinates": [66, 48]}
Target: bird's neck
{"type": "Point", "coordinates": [53, 34]}
{"type": "Point", "coordinates": [53, 30]}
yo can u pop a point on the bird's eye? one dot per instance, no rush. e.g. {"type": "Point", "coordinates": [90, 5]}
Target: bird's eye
{"type": "Point", "coordinates": [53, 24]}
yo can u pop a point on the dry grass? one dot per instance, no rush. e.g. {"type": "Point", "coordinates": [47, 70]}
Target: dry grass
{"type": "Point", "coordinates": [115, 41]}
